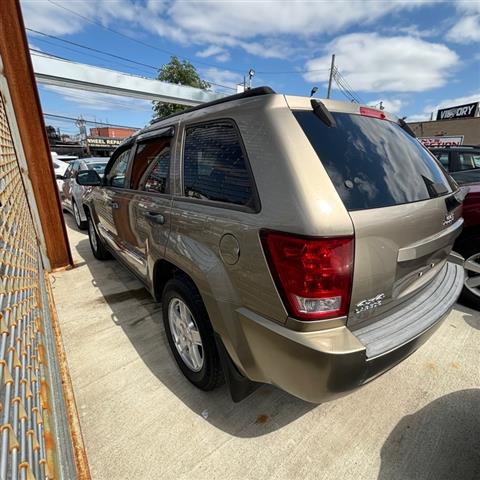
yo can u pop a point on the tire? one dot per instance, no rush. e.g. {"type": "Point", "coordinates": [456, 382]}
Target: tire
{"type": "Point", "coordinates": [98, 248]}
{"type": "Point", "coordinates": [82, 225]}
{"type": "Point", "coordinates": [207, 374]}
{"type": "Point", "coordinates": [470, 249]}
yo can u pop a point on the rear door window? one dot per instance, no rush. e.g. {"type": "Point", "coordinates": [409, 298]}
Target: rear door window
{"type": "Point", "coordinates": [373, 163]}
{"type": "Point", "coordinates": [215, 166]}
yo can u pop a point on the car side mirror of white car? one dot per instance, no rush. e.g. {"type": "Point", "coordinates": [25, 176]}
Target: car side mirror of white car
{"type": "Point", "coordinates": [88, 178]}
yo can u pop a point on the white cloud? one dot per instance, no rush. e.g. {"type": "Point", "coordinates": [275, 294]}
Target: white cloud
{"type": "Point", "coordinates": [392, 105]}
{"type": "Point", "coordinates": [226, 78]}
{"type": "Point", "coordinates": [266, 28]}
{"type": "Point", "coordinates": [219, 53]}
{"type": "Point", "coordinates": [99, 101]}
{"type": "Point", "coordinates": [371, 62]}
{"type": "Point", "coordinates": [467, 29]}
{"type": "Point", "coordinates": [449, 102]}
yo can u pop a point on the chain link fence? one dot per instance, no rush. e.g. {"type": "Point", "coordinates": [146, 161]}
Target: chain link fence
{"type": "Point", "coordinates": [29, 447]}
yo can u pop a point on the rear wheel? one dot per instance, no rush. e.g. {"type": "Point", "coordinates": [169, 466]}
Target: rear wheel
{"type": "Point", "coordinates": [471, 290]}
{"type": "Point", "coordinates": [190, 334]}
{"type": "Point", "coordinates": [98, 249]}
{"type": "Point", "coordinates": [81, 224]}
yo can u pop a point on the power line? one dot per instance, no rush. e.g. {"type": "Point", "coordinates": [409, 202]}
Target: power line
{"type": "Point", "coordinates": [133, 39]}
{"type": "Point", "coordinates": [104, 53]}
{"type": "Point", "coordinates": [90, 55]}
{"type": "Point", "coordinates": [64, 117]}
{"type": "Point", "coordinates": [168, 52]}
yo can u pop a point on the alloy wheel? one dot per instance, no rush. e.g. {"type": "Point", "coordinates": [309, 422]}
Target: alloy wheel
{"type": "Point", "coordinates": [185, 334]}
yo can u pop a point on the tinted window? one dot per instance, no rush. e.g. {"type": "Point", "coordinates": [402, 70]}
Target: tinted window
{"type": "Point", "coordinates": [215, 167]}
{"type": "Point", "coordinates": [116, 175]}
{"type": "Point", "coordinates": [468, 160]}
{"type": "Point", "coordinates": [373, 163]}
{"type": "Point", "coordinates": [151, 165]}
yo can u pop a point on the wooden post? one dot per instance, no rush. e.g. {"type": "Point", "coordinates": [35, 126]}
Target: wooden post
{"type": "Point", "coordinates": [18, 71]}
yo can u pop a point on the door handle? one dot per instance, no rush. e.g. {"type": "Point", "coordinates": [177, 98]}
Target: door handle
{"type": "Point", "coordinates": [113, 204]}
{"type": "Point", "coordinates": [155, 217]}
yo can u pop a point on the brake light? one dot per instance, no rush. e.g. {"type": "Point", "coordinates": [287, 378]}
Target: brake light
{"type": "Point", "coordinates": [372, 112]}
{"type": "Point", "coordinates": [313, 275]}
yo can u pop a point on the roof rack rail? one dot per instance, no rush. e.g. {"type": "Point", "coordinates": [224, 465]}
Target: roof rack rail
{"type": "Point", "coordinates": [253, 92]}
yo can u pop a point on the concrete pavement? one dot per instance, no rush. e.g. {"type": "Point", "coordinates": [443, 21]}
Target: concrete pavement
{"type": "Point", "coordinates": [142, 420]}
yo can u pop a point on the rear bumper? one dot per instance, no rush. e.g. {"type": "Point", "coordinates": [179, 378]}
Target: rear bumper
{"type": "Point", "coordinates": [317, 366]}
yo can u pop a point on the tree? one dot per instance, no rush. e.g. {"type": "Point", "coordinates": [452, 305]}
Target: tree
{"type": "Point", "coordinates": [181, 73]}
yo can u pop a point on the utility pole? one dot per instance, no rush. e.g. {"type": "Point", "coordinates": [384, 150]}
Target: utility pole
{"type": "Point", "coordinates": [331, 76]}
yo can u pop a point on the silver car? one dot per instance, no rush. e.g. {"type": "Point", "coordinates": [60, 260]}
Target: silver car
{"type": "Point", "coordinates": [71, 192]}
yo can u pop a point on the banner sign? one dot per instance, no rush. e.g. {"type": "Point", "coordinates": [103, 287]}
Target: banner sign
{"type": "Point", "coordinates": [461, 111]}
{"type": "Point", "coordinates": [444, 141]}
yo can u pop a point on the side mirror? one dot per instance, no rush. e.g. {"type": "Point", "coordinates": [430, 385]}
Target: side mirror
{"type": "Point", "coordinates": [88, 178]}
{"type": "Point", "coordinates": [60, 177]}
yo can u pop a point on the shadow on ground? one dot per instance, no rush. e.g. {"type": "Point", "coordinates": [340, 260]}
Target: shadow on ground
{"type": "Point", "coordinates": [439, 442]}
{"type": "Point", "coordinates": [472, 317]}
{"type": "Point", "coordinates": [134, 310]}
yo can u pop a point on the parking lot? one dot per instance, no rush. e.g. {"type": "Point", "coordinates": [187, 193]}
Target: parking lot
{"type": "Point", "coordinates": [141, 419]}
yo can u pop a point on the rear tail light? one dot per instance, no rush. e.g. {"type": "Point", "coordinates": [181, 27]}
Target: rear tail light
{"type": "Point", "coordinates": [313, 275]}
{"type": "Point", "coordinates": [372, 112]}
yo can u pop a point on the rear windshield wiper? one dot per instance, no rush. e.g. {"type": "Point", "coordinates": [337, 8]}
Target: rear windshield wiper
{"type": "Point", "coordinates": [321, 111]}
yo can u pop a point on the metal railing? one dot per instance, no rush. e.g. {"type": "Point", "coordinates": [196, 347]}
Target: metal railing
{"type": "Point", "coordinates": [28, 441]}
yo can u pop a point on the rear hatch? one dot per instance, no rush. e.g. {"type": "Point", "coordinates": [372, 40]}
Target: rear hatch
{"type": "Point", "coordinates": [402, 205]}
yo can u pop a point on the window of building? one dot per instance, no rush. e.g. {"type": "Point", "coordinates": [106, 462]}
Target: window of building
{"type": "Point", "coordinates": [215, 167]}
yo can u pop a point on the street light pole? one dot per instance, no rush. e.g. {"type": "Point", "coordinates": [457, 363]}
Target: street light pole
{"type": "Point", "coordinates": [331, 76]}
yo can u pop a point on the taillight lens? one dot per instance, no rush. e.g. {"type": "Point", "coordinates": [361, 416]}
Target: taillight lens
{"type": "Point", "coordinates": [313, 275]}
{"type": "Point", "coordinates": [372, 112]}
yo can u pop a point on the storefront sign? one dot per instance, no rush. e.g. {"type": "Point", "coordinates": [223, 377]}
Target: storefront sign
{"type": "Point", "coordinates": [461, 111]}
{"type": "Point", "coordinates": [103, 141]}
{"type": "Point", "coordinates": [443, 141]}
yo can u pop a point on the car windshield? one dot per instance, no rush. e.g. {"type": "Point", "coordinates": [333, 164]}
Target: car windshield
{"type": "Point", "coordinates": [373, 163]}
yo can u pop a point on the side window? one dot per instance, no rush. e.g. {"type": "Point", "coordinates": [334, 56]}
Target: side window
{"type": "Point", "coordinates": [150, 170]}
{"type": "Point", "coordinates": [443, 159]}
{"type": "Point", "coordinates": [116, 175]}
{"type": "Point", "coordinates": [215, 167]}
{"type": "Point", "coordinates": [467, 161]}
{"type": "Point", "coordinates": [75, 167]}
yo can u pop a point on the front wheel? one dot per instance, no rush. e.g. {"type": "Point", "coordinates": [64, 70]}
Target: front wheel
{"type": "Point", "coordinates": [98, 249]}
{"type": "Point", "coordinates": [190, 334]}
{"type": "Point", "coordinates": [81, 224]}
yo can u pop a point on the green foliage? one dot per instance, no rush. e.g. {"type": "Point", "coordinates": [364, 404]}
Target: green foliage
{"type": "Point", "coordinates": [181, 73]}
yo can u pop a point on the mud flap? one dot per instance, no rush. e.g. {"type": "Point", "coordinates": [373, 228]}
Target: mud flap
{"type": "Point", "coordinates": [240, 386]}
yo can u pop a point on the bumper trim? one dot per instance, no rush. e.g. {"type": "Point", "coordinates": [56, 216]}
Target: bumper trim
{"type": "Point", "coordinates": [403, 326]}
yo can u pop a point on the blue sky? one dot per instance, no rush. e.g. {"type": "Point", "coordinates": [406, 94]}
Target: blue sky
{"type": "Point", "coordinates": [413, 55]}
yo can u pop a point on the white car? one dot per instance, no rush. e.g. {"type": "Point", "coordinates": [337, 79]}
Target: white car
{"type": "Point", "coordinates": [60, 166]}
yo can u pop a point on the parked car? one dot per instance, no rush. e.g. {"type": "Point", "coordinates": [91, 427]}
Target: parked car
{"type": "Point", "coordinates": [291, 241]}
{"type": "Point", "coordinates": [463, 164]}
{"type": "Point", "coordinates": [71, 192]}
{"type": "Point", "coordinates": [59, 167]}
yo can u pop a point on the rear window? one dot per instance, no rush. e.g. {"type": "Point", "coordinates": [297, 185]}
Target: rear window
{"type": "Point", "coordinates": [373, 163]}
